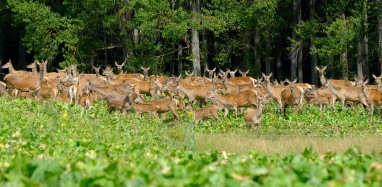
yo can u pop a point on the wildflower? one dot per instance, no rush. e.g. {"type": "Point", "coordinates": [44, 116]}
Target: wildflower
{"type": "Point", "coordinates": [91, 154]}
{"type": "Point", "coordinates": [42, 146]}
{"type": "Point", "coordinates": [65, 115]}
{"type": "Point", "coordinates": [16, 134]}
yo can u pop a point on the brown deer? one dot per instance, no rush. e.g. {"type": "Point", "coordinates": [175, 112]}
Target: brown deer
{"type": "Point", "coordinates": [26, 82]}
{"type": "Point", "coordinates": [252, 117]}
{"type": "Point", "coordinates": [374, 98]}
{"type": "Point", "coordinates": [120, 66]}
{"type": "Point", "coordinates": [353, 94]}
{"type": "Point", "coordinates": [335, 83]}
{"type": "Point", "coordinates": [145, 73]}
{"type": "Point", "coordinates": [284, 95]}
{"type": "Point", "coordinates": [210, 72]}
{"type": "Point", "coordinates": [115, 99]}
{"type": "Point", "coordinates": [197, 92]}
{"type": "Point", "coordinates": [205, 113]}
{"type": "Point", "coordinates": [233, 101]}
{"type": "Point", "coordinates": [244, 74]}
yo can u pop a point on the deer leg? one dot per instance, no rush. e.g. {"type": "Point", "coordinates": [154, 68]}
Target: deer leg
{"type": "Point", "coordinates": [225, 112]}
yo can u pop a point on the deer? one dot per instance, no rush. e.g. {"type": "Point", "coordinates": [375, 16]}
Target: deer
{"type": "Point", "coordinates": [197, 92]}
{"type": "Point", "coordinates": [321, 97]}
{"type": "Point", "coordinates": [233, 101]}
{"type": "Point", "coordinates": [335, 83]}
{"type": "Point", "coordinates": [210, 72]}
{"type": "Point", "coordinates": [117, 100]}
{"type": "Point", "coordinates": [145, 73]}
{"type": "Point", "coordinates": [243, 74]}
{"type": "Point", "coordinates": [26, 82]}
{"type": "Point", "coordinates": [12, 70]}
{"type": "Point", "coordinates": [252, 116]}
{"type": "Point", "coordinates": [166, 105]}
{"type": "Point", "coordinates": [120, 66]}
{"type": "Point", "coordinates": [33, 66]}
{"type": "Point", "coordinates": [353, 94]}
{"type": "Point", "coordinates": [3, 90]}
{"type": "Point", "coordinates": [205, 113]}
{"type": "Point", "coordinates": [284, 95]}
{"type": "Point", "coordinates": [374, 98]}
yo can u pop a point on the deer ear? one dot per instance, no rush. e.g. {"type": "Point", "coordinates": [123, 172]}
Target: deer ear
{"type": "Point", "coordinates": [295, 80]}
{"type": "Point", "coordinates": [325, 67]}
{"type": "Point", "coordinates": [263, 74]}
{"type": "Point", "coordinates": [116, 64]}
{"type": "Point", "coordinates": [214, 69]}
{"type": "Point", "coordinates": [270, 75]}
{"type": "Point", "coordinates": [374, 76]}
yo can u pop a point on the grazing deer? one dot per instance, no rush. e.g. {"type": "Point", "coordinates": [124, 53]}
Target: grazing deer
{"type": "Point", "coordinates": [335, 83]}
{"type": "Point", "coordinates": [205, 113]}
{"type": "Point", "coordinates": [253, 116]}
{"type": "Point", "coordinates": [353, 94]}
{"type": "Point", "coordinates": [115, 99]}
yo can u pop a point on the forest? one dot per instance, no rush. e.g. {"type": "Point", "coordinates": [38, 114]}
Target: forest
{"type": "Point", "coordinates": [287, 37]}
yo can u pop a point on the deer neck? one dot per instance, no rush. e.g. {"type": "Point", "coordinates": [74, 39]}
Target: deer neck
{"type": "Point", "coordinates": [322, 79]}
{"type": "Point", "coordinates": [259, 110]}
{"type": "Point", "coordinates": [98, 90]}
{"type": "Point", "coordinates": [333, 90]}
{"type": "Point", "coordinates": [42, 74]}
{"type": "Point", "coordinates": [363, 88]}
{"type": "Point", "coordinates": [11, 69]}
{"type": "Point", "coordinates": [270, 88]}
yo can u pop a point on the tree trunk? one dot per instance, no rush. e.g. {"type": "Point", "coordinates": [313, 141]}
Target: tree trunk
{"type": "Point", "coordinates": [365, 40]}
{"type": "Point", "coordinates": [123, 20]}
{"type": "Point", "coordinates": [268, 64]}
{"type": "Point", "coordinates": [195, 44]}
{"type": "Point", "coordinates": [296, 54]}
{"type": "Point", "coordinates": [345, 64]}
{"type": "Point", "coordinates": [380, 37]}
{"type": "Point", "coordinates": [22, 53]}
{"type": "Point", "coordinates": [314, 60]}
{"type": "Point", "coordinates": [360, 60]}
{"type": "Point", "coordinates": [179, 59]}
{"type": "Point", "coordinates": [344, 59]}
{"type": "Point", "coordinates": [256, 47]}
{"type": "Point", "coordinates": [278, 67]}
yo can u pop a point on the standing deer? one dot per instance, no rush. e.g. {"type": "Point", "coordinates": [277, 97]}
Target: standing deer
{"type": "Point", "coordinates": [253, 116]}
{"type": "Point", "coordinates": [334, 83]}
{"type": "Point", "coordinates": [30, 83]}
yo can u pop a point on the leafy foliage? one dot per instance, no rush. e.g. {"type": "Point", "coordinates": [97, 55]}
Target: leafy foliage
{"type": "Point", "coordinates": [56, 144]}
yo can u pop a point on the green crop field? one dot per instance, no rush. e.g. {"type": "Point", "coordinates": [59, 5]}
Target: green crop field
{"type": "Point", "coordinates": [56, 144]}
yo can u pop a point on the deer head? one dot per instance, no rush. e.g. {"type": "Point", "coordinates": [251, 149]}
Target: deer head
{"type": "Point", "coordinates": [267, 78]}
{"type": "Point", "coordinates": [321, 70]}
{"type": "Point", "coordinates": [120, 67]}
{"type": "Point", "coordinates": [243, 74]}
{"type": "Point", "coordinates": [210, 72]}
{"type": "Point", "coordinates": [231, 73]}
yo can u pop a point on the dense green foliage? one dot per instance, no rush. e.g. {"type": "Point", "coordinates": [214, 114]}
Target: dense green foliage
{"type": "Point", "coordinates": [59, 144]}
{"type": "Point", "coordinates": [258, 35]}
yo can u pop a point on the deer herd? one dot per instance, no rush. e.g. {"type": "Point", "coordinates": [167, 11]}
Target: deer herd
{"type": "Point", "coordinates": [221, 90]}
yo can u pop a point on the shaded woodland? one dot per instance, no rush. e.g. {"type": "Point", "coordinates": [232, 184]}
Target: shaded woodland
{"type": "Point", "coordinates": [287, 37]}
